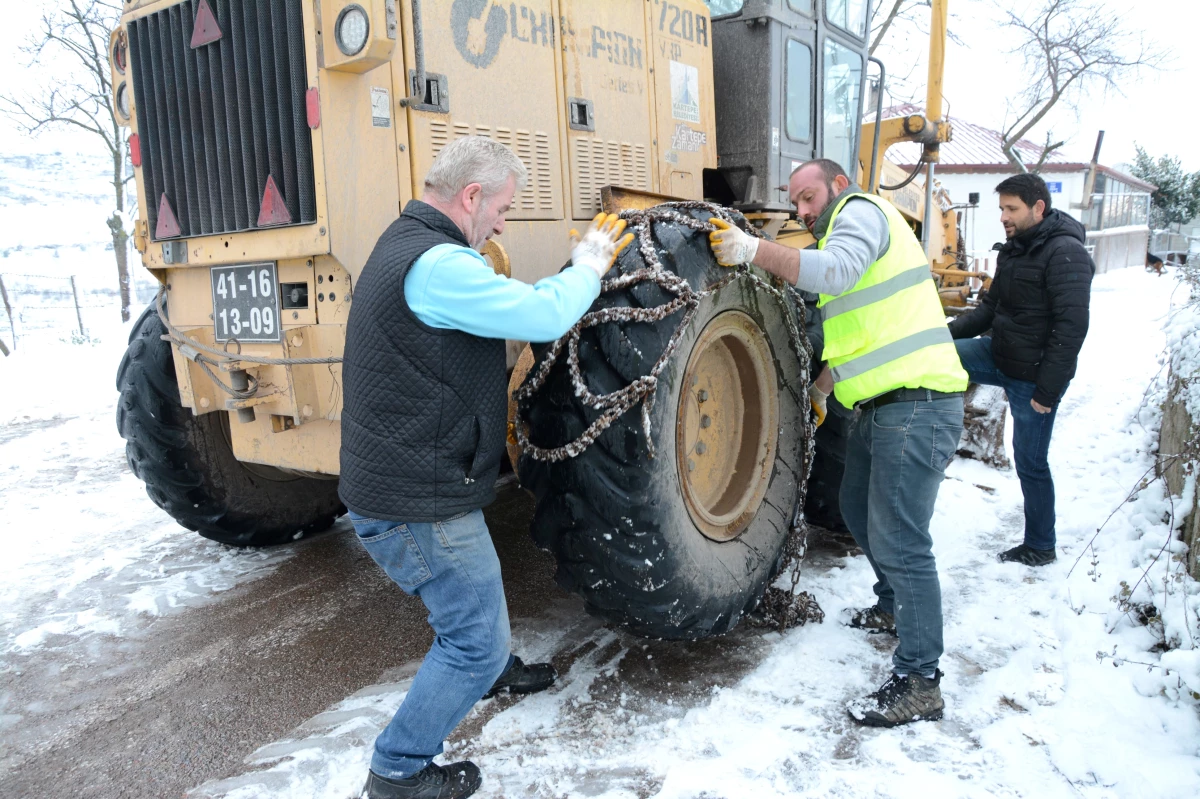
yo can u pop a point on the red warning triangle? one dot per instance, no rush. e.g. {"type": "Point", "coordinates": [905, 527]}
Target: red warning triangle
{"type": "Point", "coordinates": [273, 211]}
{"type": "Point", "coordinates": [205, 30]}
{"type": "Point", "coordinates": [168, 225]}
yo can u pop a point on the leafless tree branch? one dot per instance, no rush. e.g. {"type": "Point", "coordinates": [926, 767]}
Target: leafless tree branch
{"type": "Point", "coordinates": [73, 38]}
{"type": "Point", "coordinates": [1067, 47]}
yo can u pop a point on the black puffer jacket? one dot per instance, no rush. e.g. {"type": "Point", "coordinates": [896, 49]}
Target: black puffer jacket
{"type": "Point", "coordinates": [1037, 307]}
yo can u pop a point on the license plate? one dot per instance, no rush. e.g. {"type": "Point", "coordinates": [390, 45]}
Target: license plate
{"type": "Point", "coordinates": [245, 303]}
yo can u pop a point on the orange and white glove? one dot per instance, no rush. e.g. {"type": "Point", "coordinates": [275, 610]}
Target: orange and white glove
{"type": "Point", "coordinates": [731, 244]}
{"type": "Point", "coordinates": [820, 403]}
{"type": "Point", "coordinates": [599, 247]}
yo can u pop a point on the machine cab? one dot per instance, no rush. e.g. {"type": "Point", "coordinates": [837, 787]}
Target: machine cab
{"type": "Point", "coordinates": [789, 77]}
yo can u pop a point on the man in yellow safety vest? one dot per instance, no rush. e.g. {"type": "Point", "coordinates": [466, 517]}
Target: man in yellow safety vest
{"type": "Point", "coordinates": [891, 359]}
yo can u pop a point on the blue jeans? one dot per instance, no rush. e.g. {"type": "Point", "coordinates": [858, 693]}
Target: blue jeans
{"type": "Point", "coordinates": [896, 457]}
{"type": "Point", "coordinates": [452, 566]}
{"type": "Point", "coordinates": [1031, 439]}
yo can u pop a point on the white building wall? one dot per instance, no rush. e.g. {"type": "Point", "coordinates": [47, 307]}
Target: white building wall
{"type": "Point", "coordinates": [981, 225]}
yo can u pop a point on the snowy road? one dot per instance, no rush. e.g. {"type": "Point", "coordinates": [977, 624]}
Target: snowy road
{"type": "Point", "coordinates": [139, 660]}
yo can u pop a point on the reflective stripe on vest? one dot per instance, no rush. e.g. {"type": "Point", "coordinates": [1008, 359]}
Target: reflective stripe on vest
{"type": "Point", "coordinates": [880, 291]}
{"type": "Point", "coordinates": [889, 330]}
{"type": "Point", "coordinates": [891, 352]}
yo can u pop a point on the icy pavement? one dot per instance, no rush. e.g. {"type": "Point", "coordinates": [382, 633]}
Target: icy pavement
{"type": "Point", "coordinates": [85, 551]}
{"type": "Point", "coordinates": [1037, 705]}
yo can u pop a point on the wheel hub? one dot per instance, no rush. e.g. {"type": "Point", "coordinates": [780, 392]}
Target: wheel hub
{"type": "Point", "coordinates": [727, 425]}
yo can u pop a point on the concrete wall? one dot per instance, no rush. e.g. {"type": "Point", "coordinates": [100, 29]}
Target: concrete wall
{"type": "Point", "coordinates": [1117, 248]}
{"type": "Point", "coordinates": [1180, 433]}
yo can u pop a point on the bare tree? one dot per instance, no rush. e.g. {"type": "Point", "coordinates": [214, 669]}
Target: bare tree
{"type": "Point", "coordinates": [1068, 46]}
{"type": "Point", "coordinates": [895, 19]}
{"type": "Point", "coordinates": [889, 13]}
{"type": "Point", "coordinates": [78, 32]}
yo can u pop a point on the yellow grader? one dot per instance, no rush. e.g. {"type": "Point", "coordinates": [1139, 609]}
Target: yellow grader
{"type": "Point", "coordinates": [274, 140]}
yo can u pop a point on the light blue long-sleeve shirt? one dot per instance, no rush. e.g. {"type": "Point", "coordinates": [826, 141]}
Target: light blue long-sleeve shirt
{"type": "Point", "coordinates": [452, 287]}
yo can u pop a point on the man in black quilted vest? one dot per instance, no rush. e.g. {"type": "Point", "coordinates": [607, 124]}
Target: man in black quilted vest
{"type": "Point", "coordinates": [1037, 310]}
{"type": "Point", "coordinates": [423, 430]}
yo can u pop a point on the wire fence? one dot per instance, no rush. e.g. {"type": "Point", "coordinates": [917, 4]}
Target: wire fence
{"type": "Point", "coordinates": [41, 307]}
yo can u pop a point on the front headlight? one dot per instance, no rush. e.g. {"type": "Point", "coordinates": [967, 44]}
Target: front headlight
{"type": "Point", "coordinates": [119, 54]}
{"type": "Point", "coordinates": [123, 99]}
{"type": "Point", "coordinates": [351, 30]}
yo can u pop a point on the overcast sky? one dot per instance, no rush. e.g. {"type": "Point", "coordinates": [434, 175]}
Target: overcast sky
{"type": "Point", "coordinates": [1158, 109]}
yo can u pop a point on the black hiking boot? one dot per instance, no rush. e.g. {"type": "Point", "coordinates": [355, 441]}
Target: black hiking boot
{"type": "Point", "coordinates": [522, 679]}
{"type": "Point", "coordinates": [454, 781]}
{"type": "Point", "coordinates": [1028, 556]}
{"type": "Point", "coordinates": [901, 700]}
{"type": "Point", "coordinates": [873, 620]}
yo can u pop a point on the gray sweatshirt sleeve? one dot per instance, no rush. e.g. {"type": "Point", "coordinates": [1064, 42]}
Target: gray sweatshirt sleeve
{"type": "Point", "coordinates": [859, 238]}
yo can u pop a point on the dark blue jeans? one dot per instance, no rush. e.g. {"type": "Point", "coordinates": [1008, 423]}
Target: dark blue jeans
{"type": "Point", "coordinates": [1031, 439]}
{"type": "Point", "coordinates": [452, 566]}
{"type": "Point", "coordinates": [896, 457]}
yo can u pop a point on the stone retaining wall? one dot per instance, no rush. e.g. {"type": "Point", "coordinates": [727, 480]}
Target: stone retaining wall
{"type": "Point", "coordinates": [1181, 433]}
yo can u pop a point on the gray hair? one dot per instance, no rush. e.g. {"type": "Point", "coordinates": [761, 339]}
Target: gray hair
{"type": "Point", "coordinates": [474, 159]}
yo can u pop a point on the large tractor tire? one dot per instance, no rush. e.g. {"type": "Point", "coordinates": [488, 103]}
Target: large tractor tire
{"type": "Point", "coordinates": [187, 461]}
{"type": "Point", "coordinates": [680, 545]}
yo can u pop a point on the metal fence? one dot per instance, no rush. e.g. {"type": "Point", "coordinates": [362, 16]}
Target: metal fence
{"type": "Point", "coordinates": [1180, 246]}
{"type": "Point", "coordinates": [1117, 210]}
{"type": "Point", "coordinates": [53, 307]}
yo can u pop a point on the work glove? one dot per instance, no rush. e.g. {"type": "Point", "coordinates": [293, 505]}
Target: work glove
{"type": "Point", "coordinates": [731, 244]}
{"type": "Point", "coordinates": [819, 401]}
{"type": "Point", "coordinates": [600, 246]}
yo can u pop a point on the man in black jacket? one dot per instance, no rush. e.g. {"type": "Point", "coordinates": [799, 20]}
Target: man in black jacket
{"type": "Point", "coordinates": [1037, 310]}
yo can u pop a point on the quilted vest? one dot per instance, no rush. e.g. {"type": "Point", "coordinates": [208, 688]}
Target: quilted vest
{"type": "Point", "coordinates": [888, 331]}
{"type": "Point", "coordinates": [424, 409]}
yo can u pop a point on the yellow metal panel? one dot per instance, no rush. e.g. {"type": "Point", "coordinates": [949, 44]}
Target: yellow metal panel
{"type": "Point", "coordinates": [360, 161]}
{"type": "Point", "coordinates": [681, 44]}
{"type": "Point", "coordinates": [606, 62]}
{"type": "Point", "coordinates": [500, 63]}
{"type": "Point", "coordinates": [313, 447]}
{"type": "Point", "coordinates": [331, 293]}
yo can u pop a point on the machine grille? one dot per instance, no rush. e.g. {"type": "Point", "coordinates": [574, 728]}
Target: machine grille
{"type": "Point", "coordinates": [599, 163]}
{"type": "Point", "coordinates": [216, 121]}
{"type": "Point", "coordinates": [532, 147]}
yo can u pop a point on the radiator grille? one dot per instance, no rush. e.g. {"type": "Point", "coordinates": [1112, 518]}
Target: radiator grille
{"type": "Point", "coordinates": [599, 163]}
{"type": "Point", "coordinates": [532, 147]}
{"type": "Point", "coordinates": [216, 121]}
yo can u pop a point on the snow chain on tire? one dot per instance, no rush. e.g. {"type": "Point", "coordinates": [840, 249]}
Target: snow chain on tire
{"type": "Point", "coordinates": [779, 607]}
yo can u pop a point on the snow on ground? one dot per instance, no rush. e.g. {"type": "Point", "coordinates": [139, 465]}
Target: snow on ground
{"type": "Point", "coordinates": [85, 551]}
{"type": "Point", "coordinates": [1052, 689]}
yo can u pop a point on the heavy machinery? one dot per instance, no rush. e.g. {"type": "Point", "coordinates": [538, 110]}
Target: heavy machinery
{"type": "Point", "coordinates": [274, 140]}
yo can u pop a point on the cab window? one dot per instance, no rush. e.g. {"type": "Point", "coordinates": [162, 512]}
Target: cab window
{"type": "Point", "coordinates": [849, 15]}
{"type": "Point", "coordinates": [841, 110]}
{"type": "Point", "coordinates": [799, 91]}
{"type": "Point", "coordinates": [803, 6]}
{"type": "Point", "coordinates": [719, 8]}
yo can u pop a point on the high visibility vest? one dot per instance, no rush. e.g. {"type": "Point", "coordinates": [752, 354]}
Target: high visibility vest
{"type": "Point", "coordinates": [889, 331]}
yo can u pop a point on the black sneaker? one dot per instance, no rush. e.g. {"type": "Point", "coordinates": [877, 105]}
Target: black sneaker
{"type": "Point", "coordinates": [873, 620]}
{"type": "Point", "coordinates": [522, 679]}
{"type": "Point", "coordinates": [432, 782]}
{"type": "Point", "coordinates": [1028, 556]}
{"type": "Point", "coordinates": [901, 700]}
